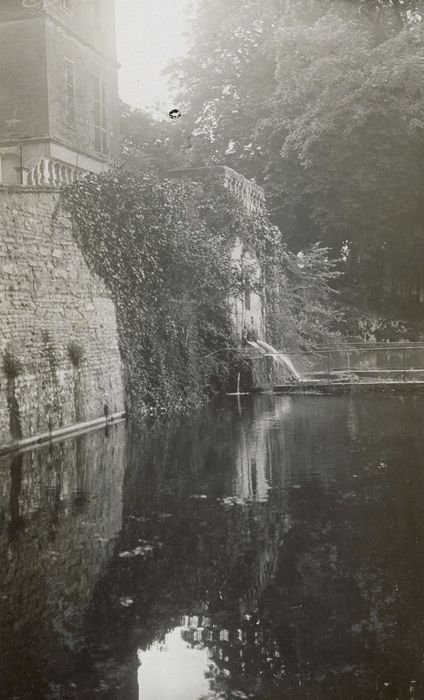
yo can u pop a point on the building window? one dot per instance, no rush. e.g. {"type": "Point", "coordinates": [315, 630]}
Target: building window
{"type": "Point", "coordinates": [70, 92]}
{"type": "Point", "coordinates": [67, 5]}
{"type": "Point", "coordinates": [99, 115]}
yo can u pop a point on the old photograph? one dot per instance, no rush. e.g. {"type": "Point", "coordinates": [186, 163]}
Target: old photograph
{"type": "Point", "coordinates": [211, 349]}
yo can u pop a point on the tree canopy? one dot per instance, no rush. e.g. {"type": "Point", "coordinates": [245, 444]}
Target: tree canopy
{"type": "Point", "coordinates": [320, 101]}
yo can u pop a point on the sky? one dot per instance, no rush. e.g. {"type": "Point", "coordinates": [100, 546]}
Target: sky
{"type": "Point", "coordinates": [150, 34]}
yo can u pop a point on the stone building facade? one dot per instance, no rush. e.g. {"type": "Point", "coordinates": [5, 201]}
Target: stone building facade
{"type": "Point", "coordinates": [58, 86]}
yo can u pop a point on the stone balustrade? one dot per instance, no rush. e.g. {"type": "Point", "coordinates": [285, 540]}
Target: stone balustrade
{"type": "Point", "coordinates": [251, 194]}
{"type": "Point", "coordinates": [49, 171]}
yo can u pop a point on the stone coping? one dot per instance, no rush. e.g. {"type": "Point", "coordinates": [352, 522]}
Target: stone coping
{"type": "Point", "coordinates": [25, 189]}
{"type": "Point", "coordinates": [62, 433]}
{"type": "Point", "coordinates": [223, 169]}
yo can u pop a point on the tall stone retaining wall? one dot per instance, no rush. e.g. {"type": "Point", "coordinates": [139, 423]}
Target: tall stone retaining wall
{"type": "Point", "coordinates": [59, 356]}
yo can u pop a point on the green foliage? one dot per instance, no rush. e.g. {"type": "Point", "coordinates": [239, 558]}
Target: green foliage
{"type": "Point", "coordinates": [164, 251]}
{"type": "Point", "coordinates": [352, 158]}
{"type": "Point", "coordinates": [322, 103]}
{"type": "Point", "coordinates": [163, 248]}
{"type": "Point", "coordinates": [150, 145]}
{"type": "Point", "coordinates": [300, 304]}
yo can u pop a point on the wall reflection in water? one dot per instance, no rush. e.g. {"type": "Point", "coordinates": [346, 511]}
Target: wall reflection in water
{"type": "Point", "coordinates": [60, 510]}
{"type": "Point", "coordinates": [268, 549]}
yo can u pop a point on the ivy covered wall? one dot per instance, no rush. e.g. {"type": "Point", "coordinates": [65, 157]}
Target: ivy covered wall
{"type": "Point", "coordinates": [165, 250]}
{"type": "Point", "coordinates": [121, 288]}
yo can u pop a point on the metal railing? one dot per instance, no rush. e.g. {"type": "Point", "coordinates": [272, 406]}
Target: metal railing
{"type": "Point", "coordinates": [350, 363]}
{"type": "Point", "coordinates": [359, 363]}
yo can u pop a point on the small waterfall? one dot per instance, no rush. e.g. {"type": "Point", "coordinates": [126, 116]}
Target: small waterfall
{"type": "Point", "coordinates": [278, 357]}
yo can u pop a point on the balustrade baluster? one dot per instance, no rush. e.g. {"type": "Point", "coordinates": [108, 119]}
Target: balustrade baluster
{"type": "Point", "coordinates": [50, 171]}
{"type": "Point", "coordinates": [43, 173]}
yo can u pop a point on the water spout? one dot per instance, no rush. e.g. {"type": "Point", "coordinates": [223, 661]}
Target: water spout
{"type": "Point", "coordinates": [278, 357]}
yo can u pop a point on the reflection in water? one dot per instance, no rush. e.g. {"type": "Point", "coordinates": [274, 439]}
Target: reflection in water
{"type": "Point", "coordinates": [252, 474]}
{"type": "Point", "coordinates": [15, 521]}
{"type": "Point", "coordinates": [65, 508]}
{"type": "Point", "coordinates": [172, 670]}
{"type": "Point", "coordinates": [267, 549]}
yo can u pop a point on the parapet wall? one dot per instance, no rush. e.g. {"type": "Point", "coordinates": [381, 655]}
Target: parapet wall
{"type": "Point", "coordinates": [249, 309]}
{"type": "Point", "coordinates": [248, 192]}
{"type": "Point", "coordinates": [59, 357]}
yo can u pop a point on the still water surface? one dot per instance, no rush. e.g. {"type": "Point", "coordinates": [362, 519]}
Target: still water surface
{"type": "Point", "coordinates": [266, 548]}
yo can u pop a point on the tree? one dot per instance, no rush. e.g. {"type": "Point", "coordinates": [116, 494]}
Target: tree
{"type": "Point", "coordinates": [148, 144]}
{"type": "Point", "coordinates": [322, 103]}
{"type": "Point", "coordinates": [350, 162]}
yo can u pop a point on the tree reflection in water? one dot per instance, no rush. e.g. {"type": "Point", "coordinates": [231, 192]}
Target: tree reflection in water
{"type": "Point", "coordinates": [270, 554]}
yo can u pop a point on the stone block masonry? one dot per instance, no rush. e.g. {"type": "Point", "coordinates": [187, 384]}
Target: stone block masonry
{"type": "Point", "coordinates": [59, 356]}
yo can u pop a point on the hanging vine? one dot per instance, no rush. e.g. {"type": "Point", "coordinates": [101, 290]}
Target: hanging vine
{"type": "Point", "coordinates": [163, 249]}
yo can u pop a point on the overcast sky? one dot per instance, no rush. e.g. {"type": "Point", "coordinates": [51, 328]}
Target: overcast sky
{"type": "Point", "coordinates": [150, 34]}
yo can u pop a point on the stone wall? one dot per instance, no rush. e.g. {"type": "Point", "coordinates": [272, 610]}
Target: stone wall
{"type": "Point", "coordinates": [248, 310]}
{"type": "Point", "coordinates": [59, 357]}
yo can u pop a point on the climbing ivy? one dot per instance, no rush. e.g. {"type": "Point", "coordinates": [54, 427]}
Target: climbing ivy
{"type": "Point", "coordinates": [163, 248]}
{"type": "Point", "coordinates": [298, 293]}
